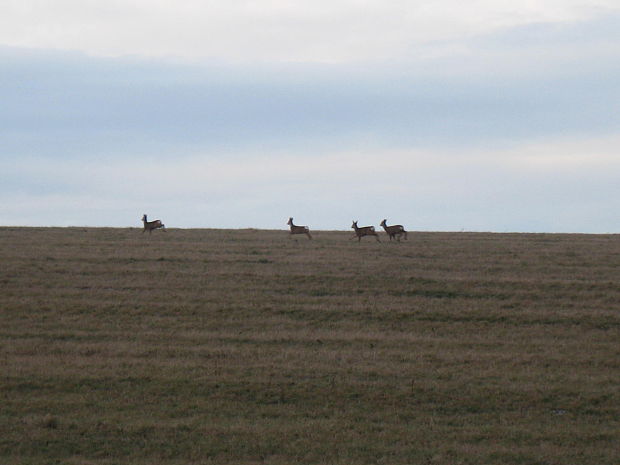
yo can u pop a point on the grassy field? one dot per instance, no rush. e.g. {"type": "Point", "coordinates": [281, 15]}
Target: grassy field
{"type": "Point", "coordinates": [249, 347]}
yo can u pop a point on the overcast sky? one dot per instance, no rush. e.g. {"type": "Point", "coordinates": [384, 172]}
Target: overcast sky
{"type": "Point", "coordinates": [443, 115]}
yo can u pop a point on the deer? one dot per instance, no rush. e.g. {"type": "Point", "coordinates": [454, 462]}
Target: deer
{"type": "Point", "coordinates": [364, 231]}
{"type": "Point", "coordinates": [150, 225]}
{"type": "Point", "coordinates": [298, 229]}
{"type": "Point", "coordinates": [394, 231]}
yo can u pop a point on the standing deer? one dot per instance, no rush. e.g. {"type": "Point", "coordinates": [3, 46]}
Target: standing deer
{"type": "Point", "coordinates": [394, 231]}
{"type": "Point", "coordinates": [298, 229]}
{"type": "Point", "coordinates": [364, 231]}
{"type": "Point", "coordinates": [150, 225]}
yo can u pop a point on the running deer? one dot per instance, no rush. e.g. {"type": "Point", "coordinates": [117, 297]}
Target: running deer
{"type": "Point", "coordinates": [150, 225]}
{"type": "Point", "coordinates": [299, 229]}
{"type": "Point", "coordinates": [394, 231]}
{"type": "Point", "coordinates": [364, 231]}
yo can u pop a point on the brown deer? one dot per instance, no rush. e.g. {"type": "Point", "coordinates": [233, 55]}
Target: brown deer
{"type": "Point", "coordinates": [150, 225]}
{"type": "Point", "coordinates": [364, 231]}
{"type": "Point", "coordinates": [394, 231]}
{"type": "Point", "coordinates": [298, 229]}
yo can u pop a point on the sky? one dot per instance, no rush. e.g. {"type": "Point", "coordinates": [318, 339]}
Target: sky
{"type": "Point", "coordinates": [439, 115]}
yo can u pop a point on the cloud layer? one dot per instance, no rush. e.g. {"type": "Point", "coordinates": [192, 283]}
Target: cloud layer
{"type": "Point", "coordinates": [276, 30]}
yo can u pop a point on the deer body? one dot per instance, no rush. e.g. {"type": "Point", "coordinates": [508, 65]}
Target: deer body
{"type": "Point", "coordinates": [394, 231]}
{"type": "Point", "coordinates": [298, 229]}
{"type": "Point", "coordinates": [364, 231]}
{"type": "Point", "coordinates": [150, 225]}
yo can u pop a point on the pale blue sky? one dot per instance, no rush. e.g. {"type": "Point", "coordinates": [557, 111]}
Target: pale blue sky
{"type": "Point", "coordinates": [496, 117]}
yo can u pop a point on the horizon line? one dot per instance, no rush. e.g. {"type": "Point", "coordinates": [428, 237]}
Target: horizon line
{"type": "Point", "coordinates": [250, 228]}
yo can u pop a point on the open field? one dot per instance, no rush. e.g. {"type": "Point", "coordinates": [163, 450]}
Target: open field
{"type": "Point", "coordinates": [248, 347]}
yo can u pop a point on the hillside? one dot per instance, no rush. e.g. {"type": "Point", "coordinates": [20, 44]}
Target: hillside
{"type": "Point", "coordinates": [247, 347]}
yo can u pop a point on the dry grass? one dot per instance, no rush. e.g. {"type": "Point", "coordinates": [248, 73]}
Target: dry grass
{"type": "Point", "coordinates": [247, 347]}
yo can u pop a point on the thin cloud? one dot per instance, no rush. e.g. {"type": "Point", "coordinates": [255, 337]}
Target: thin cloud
{"type": "Point", "coordinates": [336, 31]}
{"type": "Point", "coordinates": [544, 187]}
